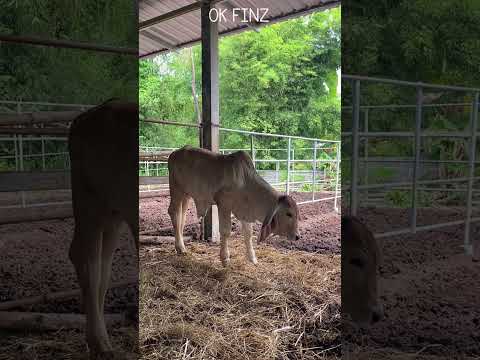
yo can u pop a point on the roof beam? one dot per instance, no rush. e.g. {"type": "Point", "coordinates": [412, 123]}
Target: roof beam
{"type": "Point", "coordinates": [173, 14]}
{"type": "Point", "coordinates": [167, 45]}
{"type": "Point", "coordinates": [273, 20]}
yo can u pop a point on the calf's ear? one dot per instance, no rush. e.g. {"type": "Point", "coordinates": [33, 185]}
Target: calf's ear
{"type": "Point", "coordinates": [268, 223]}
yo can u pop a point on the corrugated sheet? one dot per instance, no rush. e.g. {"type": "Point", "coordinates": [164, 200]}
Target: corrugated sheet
{"type": "Point", "coordinates": [185, 29]}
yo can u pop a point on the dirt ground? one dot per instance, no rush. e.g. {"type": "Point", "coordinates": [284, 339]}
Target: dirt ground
{"type": "Point", "coordinates": [430, 291]}
{"type": "Point", "coordinates": [286, 307]}
{"type": "Point", "coordinates": [34, 261]}
{"type": "Point", "coordinates": [319, 225]}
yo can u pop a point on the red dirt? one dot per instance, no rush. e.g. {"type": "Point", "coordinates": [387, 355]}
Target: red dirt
{"type": "Point", "coordinates": [430, 289]}
{"type": "Point", "coordinates": [319, 225]}
{"type": "Point", "coordinates": [34, 261]}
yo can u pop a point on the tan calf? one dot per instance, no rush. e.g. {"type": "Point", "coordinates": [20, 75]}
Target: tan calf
{"type": "Point", "coordinates": [361, 257]}
{"type": "Point", "coordinates": [231, 182]}
{"type": "Point", "coordinates": [103, 145]}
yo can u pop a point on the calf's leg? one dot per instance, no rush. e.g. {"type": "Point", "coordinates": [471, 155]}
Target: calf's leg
{"type": "Point", "coordinates": [109, 244]}
{"type": "Point", "coordinates": [175, 212]}
{"type": "Point", "coordinates": [85, 254]}
{"type": "Point", "coordinates": [225, 220]}
{"type": "Point", "coordinates": [247, 236]}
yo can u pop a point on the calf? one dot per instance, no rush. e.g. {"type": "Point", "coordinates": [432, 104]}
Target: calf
{"type": "Point", "coordinates": [360, 260]}
{"type": "Point", "coordinates": [231, 182]}
{"type": "Point", "coordinates": [103, 146]}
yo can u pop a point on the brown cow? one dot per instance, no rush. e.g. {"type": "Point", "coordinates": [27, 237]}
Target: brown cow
{"type": "Point", "coordinates": [103, 146]}
{"type": "Point", "coordinates": [361, 257]}
{"type": "Point", "coordinates": [231, 182]}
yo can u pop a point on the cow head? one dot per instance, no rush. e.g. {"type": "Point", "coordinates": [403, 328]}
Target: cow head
{"type": "Point", "coordinates": [282, 220]}
{"type": "Point", "coordinates": [360, 260]}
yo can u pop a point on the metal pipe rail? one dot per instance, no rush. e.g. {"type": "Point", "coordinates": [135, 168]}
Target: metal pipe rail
{"type": "Point", "coordinates": [318, 146]}
{"type": "Point", "coordinates": [356, 134]}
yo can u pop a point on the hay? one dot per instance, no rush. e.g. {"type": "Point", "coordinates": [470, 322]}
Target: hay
{"type": "Point", "coordinates": [287, 307]}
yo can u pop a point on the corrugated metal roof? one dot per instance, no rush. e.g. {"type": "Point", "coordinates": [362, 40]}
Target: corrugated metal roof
{"type": "Point", "coordinates": [184, 30]}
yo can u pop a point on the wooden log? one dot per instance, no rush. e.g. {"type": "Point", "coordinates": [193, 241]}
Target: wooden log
{"type": "Point", "coordinates": [34, 180]}
{"type": "Point", "coordinates": [156, 156]}
{"type": "Point", "coordinates": [154, 240]}
{"type": "Point", "coordinates": [36, 213]}
{"type": "Point", "coordinates": [14, 320]}
{"type": "Point", "coordinates": [152, 180]}
{"type": "Point", "coordinates": [43, 117]}
{"type": "Point", "coordinates": [60, 295]}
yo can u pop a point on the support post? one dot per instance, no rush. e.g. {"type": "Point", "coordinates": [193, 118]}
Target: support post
{"type": "Point", "coordinates": [314, 170]}
{"type": "Point", "coordinates": [289, 148]}
{"type": "Point", "coordinates": [471, 173]}
{"type": "Point", "coordinates": [337, 177]}
{"type": "Point", "coordinates": [210, 104]}
{"type": "Point", "coordinates": [20, 153]}
{"type": "Point", "coordinates": [355, 149]}
{"type": "Point", "coordinates": [416, 169]}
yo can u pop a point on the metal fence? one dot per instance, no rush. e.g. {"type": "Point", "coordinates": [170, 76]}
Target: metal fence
{"type": "Point", "coordinates": [320, 172]}
{"type": "Point", "coordinates": [357, 135]}
{"type": "Point", "coordinates": [33, 152]}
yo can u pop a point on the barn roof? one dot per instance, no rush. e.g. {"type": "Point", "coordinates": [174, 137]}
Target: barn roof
{"type": "Point", "coordinates": [172, 24]}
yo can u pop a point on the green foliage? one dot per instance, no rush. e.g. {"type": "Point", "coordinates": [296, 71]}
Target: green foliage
{"type": "Point", "coordinates": [279, 80]}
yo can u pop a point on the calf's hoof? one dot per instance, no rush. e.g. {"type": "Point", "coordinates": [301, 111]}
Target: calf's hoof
{"type": "Point", "coordinates": [225, 262]}
{"type": "Point", "coordinates": [181, 250]}
{"type": "Point", "coordinates": [253, 260]}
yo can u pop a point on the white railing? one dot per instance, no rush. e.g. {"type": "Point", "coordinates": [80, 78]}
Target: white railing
{"type": "Point", "coordinates": [356, 135]}
{"type": "Point", "coordinates": [315, 177]}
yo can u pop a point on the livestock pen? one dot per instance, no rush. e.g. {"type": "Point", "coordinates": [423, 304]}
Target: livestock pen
{"type": "Point", "coordinates": [411, 174]}
{"type": "Point", "coordinates": [287, 306]}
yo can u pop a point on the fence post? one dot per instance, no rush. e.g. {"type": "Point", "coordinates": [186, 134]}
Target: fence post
{"type": "Point", "coordinates": [471, 173]}
{"type": "Point", "coordinates": [20, 153]}
{"type": "Point", "coordinates": [418, 145]}
{"type": "Point", "coordinates": [289, 148]}
{"type": "Point", "coordinates": [366, 154]}
{"type": "Point", "coordinates": [314, 172]}
{"type": "Point", "coordinates": [337, 177]}
{"type": "Point", "coordinates": [43, 153]}
{"type": "Point", "coordinates": [252, 150]}
{"type": "Point", "coordinates": [355, 150]}
{"type": "Point", "coordinates": [277, 169]}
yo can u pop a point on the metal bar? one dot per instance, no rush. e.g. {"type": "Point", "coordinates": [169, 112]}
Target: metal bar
{"type": "Point", "coordinates": [337, 179]}
{"type": "Point", "coordinates": [34, 131]}
{"type": "Point", "coordinates": [67, 44]}
{"type": "Point", "coordinates": [43, 154]}
{"type": "Point", "coordinates": [277, 135]}
{"type": "Point", "coordinates": [408, 83]}
{"type": "Point", "coordinates": [314, 169]}
{"type": "Point", "coordinates": [471, 173]}
{"type": "Point", "coordinates": [288, 165]}
{"type": "Point", "coordinates": [355, 148]}
{"type": "Point", "coordinates": [397, 184]}
{"type": "Point", "coordinates": [423, 228]}
{"type": "Point", "coordinates": [46, 104]}
{"type": "Point", "coordinates": [252, 150]}
{"type": "Point", "coordinates": [417, 148]}
{"type": "Point", "coordinates": [407, 134]}
{"type": "Point", "coordinates": [365, 178]}
{"type": "Point", "coordinates": [165, 122]}
{"type": "Point", "coordinates": [407, 106]}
